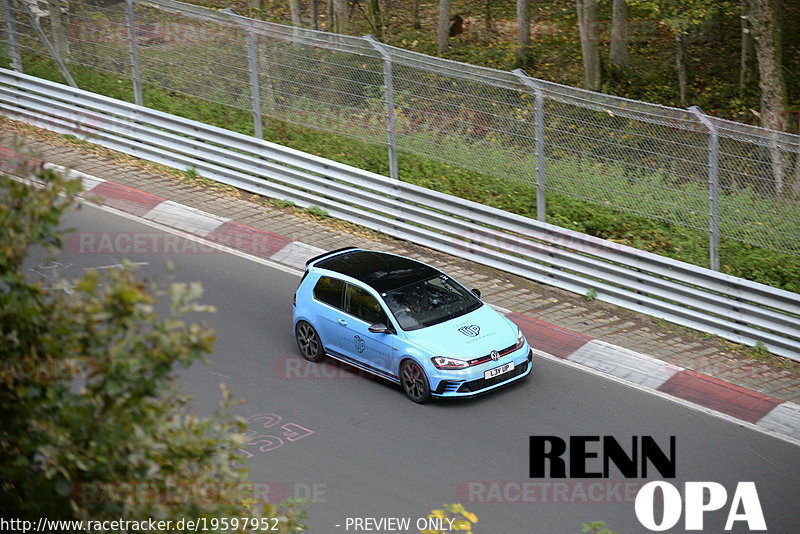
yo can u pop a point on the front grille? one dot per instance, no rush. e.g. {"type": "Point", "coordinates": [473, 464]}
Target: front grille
{"type": "Point", "coordinates": [483, 383]}
{"type": "Point", "coordinates": [488, 357]}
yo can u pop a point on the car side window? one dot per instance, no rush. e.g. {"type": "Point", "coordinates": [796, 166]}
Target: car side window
{"type": "Point", "coordinates": [360, 303]}
{"type": "Point", "coordinates": [329, 290]}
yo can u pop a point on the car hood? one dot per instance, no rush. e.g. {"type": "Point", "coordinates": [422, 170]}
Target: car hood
{"type": "Point", "coordinates": [475, 334]}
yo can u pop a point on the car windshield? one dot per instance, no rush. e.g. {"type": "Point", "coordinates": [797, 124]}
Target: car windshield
{"type": "Point", "coordinates": [429, 302]}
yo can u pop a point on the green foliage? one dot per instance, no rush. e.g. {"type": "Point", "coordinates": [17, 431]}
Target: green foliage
{"type": "Point", "coordinates": [94, 425]}
{"type": "Point", "coordinates": [761, 349]}
{"type": "Point", "coordinates": [317, 212]}
{"type": "Point", "coordinates": [591, 294]}
{"type": "Point", "coordinates": [462, 520]}
{"type": "Point", "coordinates": [281, 203]}
{"type": "Point", "coordinates": [596, 527]}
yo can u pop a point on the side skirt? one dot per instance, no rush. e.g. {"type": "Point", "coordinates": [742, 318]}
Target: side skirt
{"type": "Point", "coordinates": [364, 367]}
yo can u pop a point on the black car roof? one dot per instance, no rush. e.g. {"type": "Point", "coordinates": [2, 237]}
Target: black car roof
{"type": "Point", "coordinates": [382, 271]}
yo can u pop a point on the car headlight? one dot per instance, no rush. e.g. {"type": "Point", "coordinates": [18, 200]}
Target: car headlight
{"type": "Point", "coordinates": [443, 362]}
{"type": "Point", "coordinates": [520, 339]}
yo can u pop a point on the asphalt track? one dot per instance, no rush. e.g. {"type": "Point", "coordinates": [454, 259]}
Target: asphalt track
{"type": "Point", "coordinates": [360, 449]}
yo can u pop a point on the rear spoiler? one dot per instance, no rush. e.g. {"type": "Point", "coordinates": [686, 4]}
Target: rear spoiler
{"type": "Point", "coordinates": [330, 253]}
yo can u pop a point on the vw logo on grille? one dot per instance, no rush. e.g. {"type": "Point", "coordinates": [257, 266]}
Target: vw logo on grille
{"type": "Point", "coordinates": [471, 330]}
{"type": "Point", "coordinates": [360, 343]}
{"type": "Point", "coordinates": [494, 355]}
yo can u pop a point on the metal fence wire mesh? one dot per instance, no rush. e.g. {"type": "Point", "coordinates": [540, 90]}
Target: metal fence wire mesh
{"type": "Point", "coordinates": [673, 165]}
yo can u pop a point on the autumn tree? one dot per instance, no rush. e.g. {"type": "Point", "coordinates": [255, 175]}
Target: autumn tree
{"type": "Point", "coordinates": [588, 26]}
{"type": "Point", "coordinates": [294, 10]}
{"type": "Point", "coordinates": [747, 63]}
{"type": "Point", "coordinates": [338, 16]}
{"type": "Point", "coordinates": [374, 16]}
{"type": "Point", "coordinates": [313, 14]}
{"type": "Point", "coordinates": [619, 55]}
{"type": "Point", "coordinates": [94, 425]}
{"type": "Point", "coordinates": [682, 18]}
{"type": "Point", "coordinates": [523, 32]}
{"type": "Point", "coordinates": [771, 81]}
{"type": "Point", "coordinates": [443, 26]}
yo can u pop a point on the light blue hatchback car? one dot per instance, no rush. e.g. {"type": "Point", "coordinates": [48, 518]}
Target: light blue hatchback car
{"type": "Point", "coordinates": [407, 322]}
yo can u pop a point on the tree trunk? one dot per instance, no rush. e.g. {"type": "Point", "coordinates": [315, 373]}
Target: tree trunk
{"type": "Point", "coordinates": [488, 17]}
{"type": "Point", "coordinates": [619, 55]}
{"type": "Point", "coordinates": [767, 38]}
{"type": "Point", "coordinates": [588, 24]}
{"type": "Point", "coordinates": [375, 19]}
{"type": "Point", "coordinates": [772, 84]}
{"type": "Point", "coordinates": [312, 6]}
{"type": "Point", "coordinates": [443, 28]}
{"type": "Point", "coordinates": [523, 32]}
{"type": "Point", "coordinates": [680, 65]}
{"type": "Point", "coordinates": [331, 17]}
{"type": "Point", "coordinates": [294, 8]}
{"type": "Point", "coordinates": [342, 15]}
{"type": "Point", "coordinates": [746, 63]}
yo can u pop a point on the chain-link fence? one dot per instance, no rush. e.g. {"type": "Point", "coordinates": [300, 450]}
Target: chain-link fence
{"type": "Point", "coordinates": [679, 166]}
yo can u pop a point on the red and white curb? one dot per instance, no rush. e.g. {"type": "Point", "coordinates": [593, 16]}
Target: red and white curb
{"type": "Point", "coordinates": [767, 413]}
{"type": "Point", "coordinates": [740, 403]}
{"type": "Point", "coordinates": [214, 228]}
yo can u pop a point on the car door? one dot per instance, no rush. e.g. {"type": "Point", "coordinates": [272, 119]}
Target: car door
{"type": "Point", "coordinates": [374, 350]}
{"type": "Point", "coordinates": [329, 294]}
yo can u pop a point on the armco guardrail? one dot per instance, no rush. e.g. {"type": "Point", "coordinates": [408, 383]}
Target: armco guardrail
{"type": "Point", "coordinates": [728, 181]}
{"type": "Point", "coordinates": [737, 309]}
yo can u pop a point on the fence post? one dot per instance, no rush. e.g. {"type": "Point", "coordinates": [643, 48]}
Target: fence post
{"type": "Point", "coordinates": [713, 187]}
{"type": "Point", "coordinates": [11, 29]}
{"type": "Point", "coordinates": [538, 138]}
{"type": "Point", "coordinates": [61, 66]}
{"type": "Point", "coordinates": [252, 63]}
{"type": "Point", "coordinates": [137, 80]}
{"type": "Point", "coordinates": [389, 92]}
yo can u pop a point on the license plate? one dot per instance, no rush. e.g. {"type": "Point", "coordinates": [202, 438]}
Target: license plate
{"type": "Point", "coordinates": [491, 373]}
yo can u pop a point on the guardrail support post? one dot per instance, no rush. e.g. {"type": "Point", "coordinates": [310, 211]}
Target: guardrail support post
{"type": "Point", "coordinates": [713, 187]}
{"type": "Point", "coordinates": [252, 63]}
{"type": "Point", "coordinates": [389, 95]}
{"type": "Point", "coordinates": [538, 138]}
{"type": "Point", "coordinates": [11, 29]}
{"type": "Point", "coordinates": [137, 80]}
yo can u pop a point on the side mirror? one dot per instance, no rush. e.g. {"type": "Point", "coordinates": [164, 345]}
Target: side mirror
{"type": "Point", "coordinates": [476, 292]}
{"type": "Point", "coordinates": [380, 328]}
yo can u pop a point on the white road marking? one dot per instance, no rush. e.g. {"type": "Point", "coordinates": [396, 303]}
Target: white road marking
{"type": "Point", "coordinates": [118, 265]}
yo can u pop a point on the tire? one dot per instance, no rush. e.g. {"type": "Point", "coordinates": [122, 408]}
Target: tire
{"type": "Point", "coordinates": [308, 342]}
{"type": "Point", "coordinates": [414, 382]}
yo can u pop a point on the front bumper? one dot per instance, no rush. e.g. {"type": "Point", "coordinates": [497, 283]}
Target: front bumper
{"type": "Point", "coordinates": [473, 383]}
